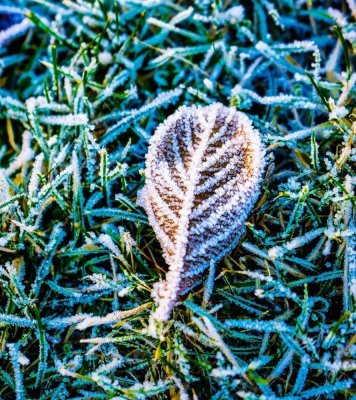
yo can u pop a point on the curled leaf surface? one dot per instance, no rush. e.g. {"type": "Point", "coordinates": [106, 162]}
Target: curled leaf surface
{"type": "Point", "coordinates": [203, 173]}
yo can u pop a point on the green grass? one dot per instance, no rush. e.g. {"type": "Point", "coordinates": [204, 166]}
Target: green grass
{"type": "Point", "coordinates": [81, 92]}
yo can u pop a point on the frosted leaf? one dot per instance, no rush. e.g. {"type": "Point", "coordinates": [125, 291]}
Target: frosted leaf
{"type": "Point", "coordinates": [203, 173]}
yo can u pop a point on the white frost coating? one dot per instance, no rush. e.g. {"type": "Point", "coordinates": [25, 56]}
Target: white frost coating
{"type": "Point", "coordinates": [110, 318]}
{"type": "Point", "coordinates": [25, 155]}
{"type": "Point", "coordinates": [105, 58]}
{"type": "Point", "coordinates": [233, 15]}
{"type": "Point", "coordinates": [203, 173]}
{"type": "Point", "coordinates": [352, 5]}
{"type": "Point", "coordinates": [282, 99]}
{"type": "Point", "coordinates": [106, 241]}
{"type": "Point", "coordinates": [337, 16]}
{"type": "Point", "coordinates": [14, 31]}
{"type": "Point", "coordinates": [279, 251]}
{"type": "Point", "coordinates": [4, 188]}
{"type": "Point", "coordinates": [347, 86]}
{"type": "Point", "coordinates": [35, 179]}
{"type": "Point", "coordinates": [336, 111]}
{"type": "Point", "coordinates": [65, 120]}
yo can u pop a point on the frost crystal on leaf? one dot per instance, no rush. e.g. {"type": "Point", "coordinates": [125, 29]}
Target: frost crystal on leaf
{"type": "Point", "coordinates": [203, 172]}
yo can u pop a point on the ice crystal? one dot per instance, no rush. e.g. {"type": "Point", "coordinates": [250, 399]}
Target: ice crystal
{"type": "Point", "coordinates": [203, 172]}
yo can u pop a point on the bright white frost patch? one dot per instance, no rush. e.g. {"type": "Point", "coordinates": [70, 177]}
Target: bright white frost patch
{"type": "Point", "coordinates": [4, 188]}
{"type": "Point", "coordinates": [17, 28]}
{"type": "Point", "coordinates": [203, 173]}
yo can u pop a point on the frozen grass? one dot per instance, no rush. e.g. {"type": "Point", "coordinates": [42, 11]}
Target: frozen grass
{"type": "Point", "coordinates": [83, 85]}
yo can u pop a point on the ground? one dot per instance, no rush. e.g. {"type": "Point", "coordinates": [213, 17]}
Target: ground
{"type": "Point", "coordinates": [83, 86]}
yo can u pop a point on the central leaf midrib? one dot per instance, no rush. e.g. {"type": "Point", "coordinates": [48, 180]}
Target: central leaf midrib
{"type": "Point", "coordinates": [192, 187]}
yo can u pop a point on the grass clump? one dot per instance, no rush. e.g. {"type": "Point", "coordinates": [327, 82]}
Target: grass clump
{"type": "Point", "coordinates": [83, 86]}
